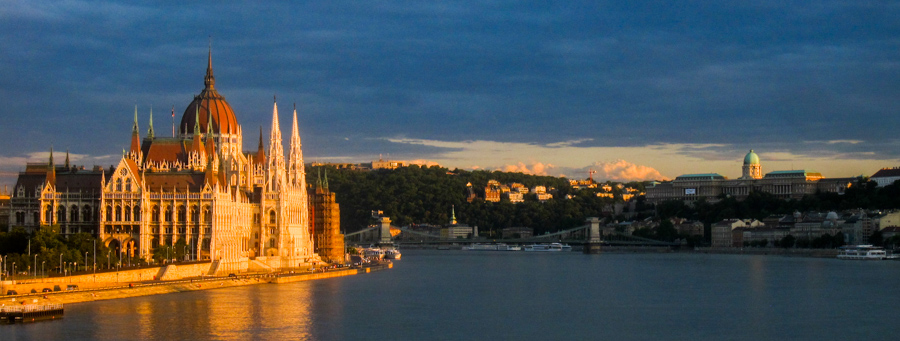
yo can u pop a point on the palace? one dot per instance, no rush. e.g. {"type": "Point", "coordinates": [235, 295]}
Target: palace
{"type": "Point", "coordinates": [239, 209]}
{"type": "Point", "coordinates": [789, 184]}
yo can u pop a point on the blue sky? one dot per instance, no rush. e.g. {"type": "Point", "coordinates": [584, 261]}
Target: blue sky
{"type": "Point", "coordinates": [631, 88]}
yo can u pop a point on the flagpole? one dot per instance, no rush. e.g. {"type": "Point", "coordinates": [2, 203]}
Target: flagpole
{"type": "Point", "coordinates": [173, 121]}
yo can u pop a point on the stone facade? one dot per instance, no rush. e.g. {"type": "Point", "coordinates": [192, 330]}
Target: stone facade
{"type": "Point", "coordinates": [227, 205]}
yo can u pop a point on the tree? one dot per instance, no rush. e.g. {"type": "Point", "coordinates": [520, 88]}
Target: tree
{"type": "Point", "coordinates": [787, 242]}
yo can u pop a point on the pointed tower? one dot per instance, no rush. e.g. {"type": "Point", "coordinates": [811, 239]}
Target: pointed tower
{"type": "Point", "coordinates": [452, 214]}
{"type": "Point", "coordinates": [296, 175]}
{"type": "Point", "coordinates": [67, 159]}
{"type": "Point", "coordinates": [150, 130]}
{"type": "Point", "coordinates": [51, 170]}
{"type": "Point", "coordinates": [260, 152]}
{"type": "Point", "coordinates": [275, 168]}
{"type": "Point", "coordinates": [135, 135]}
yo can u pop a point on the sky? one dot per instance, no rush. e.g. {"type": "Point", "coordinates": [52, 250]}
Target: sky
{"type": "Point", "coordinates": [634, 90]}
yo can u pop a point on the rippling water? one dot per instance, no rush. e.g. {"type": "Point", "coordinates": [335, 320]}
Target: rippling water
{"type": "Point", "coordinates": [470, 295]}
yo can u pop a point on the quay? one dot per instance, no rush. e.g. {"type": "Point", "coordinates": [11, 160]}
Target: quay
{"type": "Point", "coordinates": [89, 293]}
{"type": "Point", "coordinates": [30, 313]}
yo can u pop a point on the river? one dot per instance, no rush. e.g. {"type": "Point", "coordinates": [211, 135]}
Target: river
{"type": "Point", "coordinates": [477, 295]}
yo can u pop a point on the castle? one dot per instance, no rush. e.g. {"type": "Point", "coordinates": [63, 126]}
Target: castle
{"type": "Point", "coordinates": [239, 209]}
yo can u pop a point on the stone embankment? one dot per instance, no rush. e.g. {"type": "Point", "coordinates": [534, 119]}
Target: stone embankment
{"type": "Point", "coordinates": [95, 291]}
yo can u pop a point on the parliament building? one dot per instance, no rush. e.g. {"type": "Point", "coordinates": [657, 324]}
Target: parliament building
{"type": "Point", "coordinates": [236, 208]}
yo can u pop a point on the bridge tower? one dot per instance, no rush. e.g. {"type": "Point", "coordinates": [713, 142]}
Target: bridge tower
{"type": "Point", "coordinates": [592, 244]}
{"type": "Point", "coordinates": [384, 233]}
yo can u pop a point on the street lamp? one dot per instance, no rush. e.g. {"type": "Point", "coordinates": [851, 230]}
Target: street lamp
{"type": "Point", "coordinates": [42, 268]}
{"type": "Point", "coordinates": [35, 265]}
{"type": "Point", "coordinates": [14, 271]}
{"type": "Point", "coordinates": [107, 259]}
{"type": "Point", "coordinates": [85, 261]}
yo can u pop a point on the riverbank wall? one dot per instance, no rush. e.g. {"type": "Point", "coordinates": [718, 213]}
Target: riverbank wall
{"type": "Point", "coordinates": [88, 293]}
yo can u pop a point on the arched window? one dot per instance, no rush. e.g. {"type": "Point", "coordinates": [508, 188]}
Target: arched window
{"type": "Point", "coordinates": [86, 213]}
{"type": "Point", "coordinates": [207, 214]}
{"type": "Point", "coordinates": [73, 214]}
{"type": "Point", "coordinates": [61, 214]}
{"type": "Point", "coordinates": [182, 216]}
{"type": "Point", "coordinates": [118, 213]}
{"type": "Point", "coordinates": [272, 217]}
{"type": "Point", "coordinates": [272, 242]}
{"type": "Point", "coordinates": [137, 213]}
{"type": "Point", "coordinates": [168, 214]}
{"type": "Point", "coordinates": [128, 185]}
{"type": "Point", "coordinates": [155, 214]}
{"type": "Point", "coordinates": [118, 185]}
{"type": "Point", "coordinates": [195, 213]}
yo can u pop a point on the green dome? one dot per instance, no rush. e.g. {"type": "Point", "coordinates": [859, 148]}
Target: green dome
{"type": "Point", "coordinates": [751, 158]}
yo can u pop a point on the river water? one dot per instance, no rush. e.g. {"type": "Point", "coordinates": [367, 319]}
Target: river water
{"type": "Point", "coordinates": [473, 295]}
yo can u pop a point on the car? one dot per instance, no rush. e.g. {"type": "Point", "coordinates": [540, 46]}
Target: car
{"type": "Point", "coordinates": [47, 290]}
{"type": "Point", "coordinates": [71, 287]}
{"type": "Point", "coordinates": [232, 275]}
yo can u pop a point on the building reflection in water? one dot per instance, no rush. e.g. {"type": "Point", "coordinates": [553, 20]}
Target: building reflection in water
{"type": "Point", "coordinates": [250, 312]}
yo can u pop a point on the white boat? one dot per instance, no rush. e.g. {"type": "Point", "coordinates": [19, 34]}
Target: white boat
{"type": "Point", "coordinates": [864, 252]}
{"type": "Point", "coordinates": [493, 247]}
{"type": "Point", "coordinates": [552, 247]}
{"type": "Point", "coordinates": [392, 254]}
{"type": "Point", "coordinates": [374, 253]}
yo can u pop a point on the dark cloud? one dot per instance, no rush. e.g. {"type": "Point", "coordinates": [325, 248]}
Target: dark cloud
{"type": "Point", "coordinates": [767, 73]}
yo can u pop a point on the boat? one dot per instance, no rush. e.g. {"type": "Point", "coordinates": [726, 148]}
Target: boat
{"type": "Point", "coordinates": [392, 254]}
{"type": "Point", "coordinates": [865, 252]}
{"type": "Point", "coordinates": [481, 247]}
{"type": "Point", "coordinates": [30, 313]}
{"type": "Point", "coordinates": [493, 247]}
{"type": "Point", "coordinates": [552, 247]}
{"type": "Point", "coordinates": [374, 253]}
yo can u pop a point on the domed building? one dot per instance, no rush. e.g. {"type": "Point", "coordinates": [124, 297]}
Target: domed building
{"type": "Point", "coordinates": [751, 169]}
{"type": "Point", "coordinates": [789, 184]}
{"type": "Point", "coordinates": [198, 188]}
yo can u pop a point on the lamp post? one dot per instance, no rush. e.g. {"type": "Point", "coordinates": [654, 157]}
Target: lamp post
{"type": "Point", "coordinates": [85, 261]}
{"type": "Point", "coordinates": [34, 264]}
{"type": "Point", "coordinates": [42, 269]}
{"type": "Point", "coordinates": [60, 263]}
{"type": "Point", "coordinates": [14, 271]}
{"type": "Point", "coordinates": [185, 253]}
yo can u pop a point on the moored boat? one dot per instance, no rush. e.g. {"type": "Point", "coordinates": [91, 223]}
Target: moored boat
{"type": "Point", "coordinates": [30, 313]}
{"type": "Point", "coordinates": [392, 254]}
{"type": "Point", "coordinates": [865, 252]}
{"type": "Point", "coordinates": [374, 253]}
{"type": "Point", "coordinates": [552, 247]}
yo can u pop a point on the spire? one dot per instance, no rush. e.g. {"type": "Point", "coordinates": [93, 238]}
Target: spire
{"type": "Point", "coordinates": [196, 120]}
{"type": "Point", "coordinates": [51, 170]}
{"type": "Point", "coordinates": [296, 157]}
{"type": "Point", "coordinates": [325, 182]}
{"type": "Point", "coordinates": [150, 131]}
{"type": "Point", "coordinates": [260, 153]}
{"type": "Point", "coordinates": [135, 134]}
{"type": "Point", "coordinates": [276, 153]}
{"type": "Point", "coordinates": [134, 129]}
{"type": "Point", "coordinates": [209, 80]}
{"type": "Point", "coordinates": [209, 121]}
{"type": "Point", "coordinates": [67, 158]}
{"type": "Point", "coordinates": [453, 215]}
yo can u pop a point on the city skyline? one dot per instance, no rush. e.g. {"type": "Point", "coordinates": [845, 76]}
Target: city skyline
{"type": "Point", "coordinates": [634, 91]}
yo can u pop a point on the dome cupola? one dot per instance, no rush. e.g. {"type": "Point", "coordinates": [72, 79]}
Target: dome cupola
{"type": "Point", "coordinates": [209, 104]}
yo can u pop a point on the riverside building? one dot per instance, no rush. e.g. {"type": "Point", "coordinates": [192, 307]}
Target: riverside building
{"type": "Point", "coordinates": [788, 184]}
{"type": "Point", "coordinates": [240, 209]}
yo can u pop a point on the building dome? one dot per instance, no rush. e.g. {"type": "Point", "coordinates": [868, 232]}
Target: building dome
{"type": "Point", "coordinates": [209, 104]}
{"type": "Point", "coordinates": [751, 158]}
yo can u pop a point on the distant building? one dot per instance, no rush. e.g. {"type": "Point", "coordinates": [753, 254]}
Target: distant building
{"type": "Point", "coordinates": [541, 193]}
{"type": "Point", "coordinates": [791, 184]}
{"type": "Point", "coordinates": [492, 191]}
{"type": "Point", "coordinates": [455, 230]}
{"type": "Point", "coordinates": [389, 164]}
{"type": "Point", "coordinates": [886, 176]}
{"type": "Point", "coordinates": [325, 219]}
{"type": "Point", "coordinates": [723, 232]}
